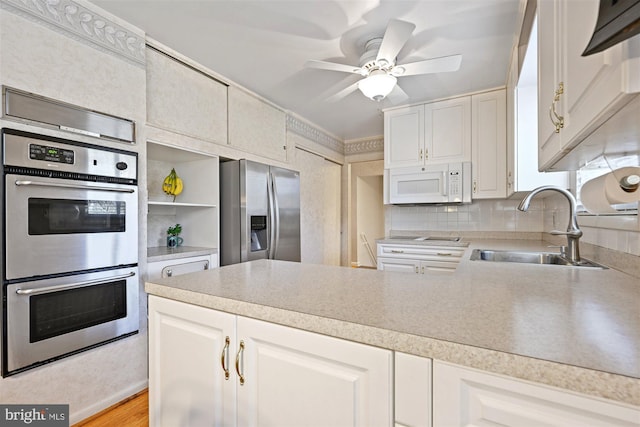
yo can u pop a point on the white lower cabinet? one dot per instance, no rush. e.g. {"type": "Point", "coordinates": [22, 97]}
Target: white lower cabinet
{"type": "Point", "coordinates": [467, 397]}
{"type": "Point", "coordinates": [418, 259]}
{"type": "Point", "coordinates": [187, 386]}
{"type": "Point", "coordinates": [412, 397]}
{"type": "Point", "coordinates": [209, 368]}
{"type": "Point", "coordinates": [278, 376]}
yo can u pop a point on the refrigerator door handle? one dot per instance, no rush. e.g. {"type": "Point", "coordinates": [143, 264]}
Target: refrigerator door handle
{"type": "Point", "coordinates": [271, 219]}
{"type": "Point", "coordinates": [274, 209]}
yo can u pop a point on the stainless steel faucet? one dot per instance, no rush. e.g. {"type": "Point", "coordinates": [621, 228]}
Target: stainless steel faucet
{"type": "Point", "coordinates": [573, 232]}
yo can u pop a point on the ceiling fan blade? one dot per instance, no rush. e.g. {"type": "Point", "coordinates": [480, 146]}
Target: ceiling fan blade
{"type": "Point", "coordinates": [343, 93]}
{"type": "Point", "coordinates": [332, 66]}
{"type": "Point", "coordinates": [433, 65]}
{"type": "Point", "coordinates": [397, 95]}
{"type": "Point", "coordinates": [395, 36]}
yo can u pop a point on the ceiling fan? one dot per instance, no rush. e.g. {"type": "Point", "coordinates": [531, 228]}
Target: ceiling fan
{"type": "Point", "coordinates": [378, 64]}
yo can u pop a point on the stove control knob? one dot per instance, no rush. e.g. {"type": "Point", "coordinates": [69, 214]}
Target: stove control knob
{"type": "Point", "coordinates": [121, 166]}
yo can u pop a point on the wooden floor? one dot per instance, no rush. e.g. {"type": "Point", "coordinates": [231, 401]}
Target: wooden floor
{"type": "Point", "coordinates": [133, 412]}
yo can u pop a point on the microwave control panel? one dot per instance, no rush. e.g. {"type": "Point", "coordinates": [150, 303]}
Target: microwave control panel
{"type": "Point", "coordinates": [455, 185]}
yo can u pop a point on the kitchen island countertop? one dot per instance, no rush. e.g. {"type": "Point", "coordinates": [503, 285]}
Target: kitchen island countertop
{"type": "Point", "coordinates": [573, 328]}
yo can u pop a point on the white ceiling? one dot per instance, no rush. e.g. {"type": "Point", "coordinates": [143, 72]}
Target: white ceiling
{"type": "Point", "coordinates": [263, 45]}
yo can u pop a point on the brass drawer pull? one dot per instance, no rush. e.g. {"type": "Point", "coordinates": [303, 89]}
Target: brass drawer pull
{"type": "Point", "coordinates": [223, 358]}
{"type": "Point", "coordinates": [238, 356]}
{"type": "Point", "coordinates": [558, 122]}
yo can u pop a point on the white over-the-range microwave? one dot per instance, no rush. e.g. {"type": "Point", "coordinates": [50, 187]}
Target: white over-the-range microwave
{"type": "Point", "coordinates": [441, 183]}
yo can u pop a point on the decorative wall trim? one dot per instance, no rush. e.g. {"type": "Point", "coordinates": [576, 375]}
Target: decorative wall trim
{"type": "Point", "coordinates": [364, 146]}
{"type": "Point", "coordinates": [314, 134]}
{"type": "Point", "coordinates": [76, 21]}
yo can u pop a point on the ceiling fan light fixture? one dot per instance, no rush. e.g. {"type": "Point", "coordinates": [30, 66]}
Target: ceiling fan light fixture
{"type": "Point", "coordinates": [377, 85]}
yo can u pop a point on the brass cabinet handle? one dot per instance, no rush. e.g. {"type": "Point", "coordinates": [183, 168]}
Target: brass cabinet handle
{"type": "Point", "coordinates": [558, 122]}
{"type": "Point", "coordinates": [421, 154]}
{"type": "Point", "coordinates": [423, 269]}
{"type": "Point", "coordinates": [397, 251]}
{"type": "Point", "coordinates": [475, 186]}
{"type": "Point", "coordinates": [238, 356]}
{"type": "Point", "coordinates": [426, 154]}
{"type": "Point", "coordinates": [444, 254]}
{"type": "Point", "coordinates": [417, 270]}
{"type": "Point", "coordinates": [223, 358]}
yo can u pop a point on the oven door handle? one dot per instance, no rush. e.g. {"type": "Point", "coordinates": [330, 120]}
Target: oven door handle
{"type": "Point", "coordinates": [77, 186]}
{"type": "Point", "coordinates": [55, 288]}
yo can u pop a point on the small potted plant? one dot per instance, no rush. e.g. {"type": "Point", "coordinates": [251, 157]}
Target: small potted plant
{"type": "Point", "coordinates": [172, 239]}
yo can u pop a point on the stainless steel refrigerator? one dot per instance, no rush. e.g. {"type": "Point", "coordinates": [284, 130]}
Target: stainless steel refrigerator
{"type": "Point", "coordinates": [259, 212]}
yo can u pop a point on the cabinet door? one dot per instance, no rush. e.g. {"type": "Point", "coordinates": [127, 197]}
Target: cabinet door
{"type": "Point", "coordinates": [549, 145]}
{"type": "Point", "coordinates": [583, 91]}
{"type": "Point", "coordinates": [256, 126]}
{"type": "Point", "coordinates": [489, 140]}
{"type": "Point", "coordinates": [448, 131]}
{"type": "Point", "coordinates": [404, 137]}
{"type": "Point", "coordinates": [412, 382]}
{"type": "Point", "coordinates": [184, 100]}
{"type": "Point", "coordinates": [399, 265]}
{"type": "Point", "coordinates": [466, 397]}
{"type": "Point", "coordinates": [298, 378]}
{"type": "Point", "coordinates": [187, 385]}
{"type": "Point", "coordinates": [592, 84]}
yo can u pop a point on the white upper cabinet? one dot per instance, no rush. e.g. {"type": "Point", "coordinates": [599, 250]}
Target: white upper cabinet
{"type": "Point", "coordinates": [576, 94]}
{"type": "Point", "coordinates": [404, 137]}
{"type": "Point", "coordinates": [256, 126]}
{"type": "Point", "coordinates": [439, 132]}
{"type": "Point", "coordinates": [522, 126]}
{"type": "Point", "coordinates": [447, 134]}
{"type": "Point", "coordinates": [184, 100]}
{"type": "Point", "coordinates": [489, 136]}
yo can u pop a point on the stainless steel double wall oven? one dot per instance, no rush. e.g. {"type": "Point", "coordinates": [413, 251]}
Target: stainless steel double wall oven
{"type": "Point", "coordinates": [70, 248]}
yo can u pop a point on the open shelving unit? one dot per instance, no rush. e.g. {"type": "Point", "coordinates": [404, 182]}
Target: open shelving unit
{"type": "Point", "coordinates": [196, 208]}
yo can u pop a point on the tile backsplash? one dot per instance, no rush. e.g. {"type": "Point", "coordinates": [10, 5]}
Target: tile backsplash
{"type": "Point", "coordinates": [544, 214]}
{"type": "Point", "coordinates": [617, 233]}
{"type": "Point", "coordinates": [482, 215]}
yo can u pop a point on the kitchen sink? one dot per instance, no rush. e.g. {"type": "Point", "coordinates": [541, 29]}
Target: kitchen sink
{"type": "Point", "coordinates": [542, 258]}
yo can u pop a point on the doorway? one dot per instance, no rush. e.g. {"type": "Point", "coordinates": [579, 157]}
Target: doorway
{"type": "Point", "coordinates": [367, 212]}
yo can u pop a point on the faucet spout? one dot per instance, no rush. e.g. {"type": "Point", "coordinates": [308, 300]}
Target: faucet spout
{"type": "Point", "coordinates": [573, 232]}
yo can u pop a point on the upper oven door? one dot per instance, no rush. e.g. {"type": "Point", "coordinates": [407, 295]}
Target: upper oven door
{"type": "Point", "coordinates": [57, 226]}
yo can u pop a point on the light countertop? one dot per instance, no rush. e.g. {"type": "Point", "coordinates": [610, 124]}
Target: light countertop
{"type": "Point", "coordinates": [574, 328]}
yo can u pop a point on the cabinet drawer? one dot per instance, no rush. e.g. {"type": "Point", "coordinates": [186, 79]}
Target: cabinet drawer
{"type": "Point", "coordinates": [176, 267]}
{"type": "Point", "coordinates": [436, 253]}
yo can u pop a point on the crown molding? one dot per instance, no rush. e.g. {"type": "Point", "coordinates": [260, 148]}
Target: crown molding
{"type": "Point", "coordinates": [314, 134]}
{"type": "Point", "coordinates": [364, 146]}
{"type": "Point", "coordinates": [80, 23]}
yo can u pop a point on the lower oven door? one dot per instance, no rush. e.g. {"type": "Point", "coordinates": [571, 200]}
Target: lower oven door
{"type": "Point", "coordinates": [49, 319]}
{"type": "Point", "coordinates": [57, 226]}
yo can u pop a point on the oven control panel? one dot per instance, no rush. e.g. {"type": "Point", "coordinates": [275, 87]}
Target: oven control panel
{"type": "Point", "coordinates": [51, 154]}
{"type": "Point", "coordinates": [27, 153]}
